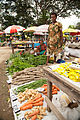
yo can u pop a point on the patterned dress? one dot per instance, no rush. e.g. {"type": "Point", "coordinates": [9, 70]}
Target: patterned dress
{"type": "Point", "coordinates": [54, 39]}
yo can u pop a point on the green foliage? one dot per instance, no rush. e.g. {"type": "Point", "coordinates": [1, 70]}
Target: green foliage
{"type": "Point", "coordinates": [32, 85]}
{"type": "Point", "coordinates": [78, 26]}
{"type": "Point", "coordinates": [31, 12]}
{"type": "Point", "coordinates": [71, 26]}
{"type": "Point", "coordinates": [19, 62]}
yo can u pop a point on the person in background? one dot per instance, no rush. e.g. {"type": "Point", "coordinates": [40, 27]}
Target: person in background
{"type": "Point", "coordinates": [41, 49]}
{"type": "Point", "coordinates": [23, 36]}
{"type": "Point", "coordinates": [55, 38]}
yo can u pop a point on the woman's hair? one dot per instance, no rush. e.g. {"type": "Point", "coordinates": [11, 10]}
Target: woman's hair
{"type": "Point", "coordinates": [53, 13]}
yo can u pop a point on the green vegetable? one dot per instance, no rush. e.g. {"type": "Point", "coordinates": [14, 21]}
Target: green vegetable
{"type": "Point", "coordinates": [19, 62]}
{"type": "Point", "coordinates": [33, 85]}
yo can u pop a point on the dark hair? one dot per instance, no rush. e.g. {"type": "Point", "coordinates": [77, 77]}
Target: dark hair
{"type": "Point", "coordinates": [53, 13]}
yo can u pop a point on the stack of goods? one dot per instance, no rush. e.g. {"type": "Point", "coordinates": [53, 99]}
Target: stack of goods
{"type": "Point", "coordinates": [77, 60]}
{"type": "Point", "coordinates": [34, 103]}
{"type": "Point", "coordinates": [74, 45]}
{"type": "Point", "coordinates": [65, 70]}
{"type": "Point", "coordinates": [55, 89]}
{"type": "Point", "coordinates": [27, 75]}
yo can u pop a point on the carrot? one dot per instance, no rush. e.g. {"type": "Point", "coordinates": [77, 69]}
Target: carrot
{"type": "Point", "coordinates": [45, 94]}
{"type": "Point", "coordinates": [57, 88]}
{"type": "Point", "coordinates": [34, 117]}
{"type": "Point", "coordinates": [54, 92]}
{"type": "Point", "coordinates": [45, 85]}
{"type": "Point", "coordinates": [38, 104]}
{"type": "Point", "coordinates": [54, 86]}
{"type": "Point", "coordinates": [27, 107]}
{"type": "Point", "coordinates": [40, 99]}
{"type": "Point", "coordinates": [34, 113]}
{"type": "Point", "coordinates": [38, 96]}
{"type": "Point", "coordinates": [27, 103]}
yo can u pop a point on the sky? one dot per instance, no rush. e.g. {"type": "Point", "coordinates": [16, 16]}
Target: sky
{"type": "Point", "coordinates": [72, 20]}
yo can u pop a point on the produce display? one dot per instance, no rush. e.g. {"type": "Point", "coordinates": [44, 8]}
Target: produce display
{"type": "Point", "coordinates": [55, 89]}
{"type": "Point", "coordinates": [32, 102]}
{"type": "Point", "coordinates": [36, 113]}
{"type": "Point", "coordinates": [65, 70]}
{"type": "Point", "coordinates": [19, 62]}
{"type": "Point", "coordinates": [28, 94]}
{"type": "Point", "coordinates": [27, 75]}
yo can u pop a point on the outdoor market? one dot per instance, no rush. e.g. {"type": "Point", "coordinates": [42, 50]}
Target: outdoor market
{"type": "Point", "coordinates": [39, 64]}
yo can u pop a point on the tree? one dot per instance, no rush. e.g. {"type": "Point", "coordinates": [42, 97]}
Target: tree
{"type": "Point", "coordinates": [71, 26]}
{"type": "Point", "coordinates": [63, 8]}
{"type": "Point", "coordinates": [17, 12]}
{"type": "Point", "coordinates": [78, 26]}
{"type": "Point", "coordinates": [31, 12]}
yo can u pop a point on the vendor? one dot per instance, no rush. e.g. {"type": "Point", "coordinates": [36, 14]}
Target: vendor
{"type": "Point", "coordinates": [41, 49]}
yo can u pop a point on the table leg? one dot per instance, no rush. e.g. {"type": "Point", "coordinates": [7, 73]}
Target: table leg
{"type": "Point", "coordinates": [49, 93]}
{"type": "Point", "coordinates": [32, 45]}
{"type": "Point", "coordinates": [12, 49]}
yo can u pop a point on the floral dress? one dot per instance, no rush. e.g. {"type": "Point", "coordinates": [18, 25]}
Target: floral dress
{"type": "Point", "coordinates": [54, 39]}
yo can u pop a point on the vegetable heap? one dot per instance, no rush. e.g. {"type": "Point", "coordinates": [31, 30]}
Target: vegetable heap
{"type": "Point", "coordinates": [32, 85]}
{"type": "Point", "coordinates": [19, 62]}
{"type": "Point", "coordinates": [66, 71]}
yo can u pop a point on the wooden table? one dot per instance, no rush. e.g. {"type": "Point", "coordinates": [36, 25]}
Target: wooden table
{"type": "Point", "coordinates": [24, 44]}
{"type": "Point", "coordinates": [66, 86]}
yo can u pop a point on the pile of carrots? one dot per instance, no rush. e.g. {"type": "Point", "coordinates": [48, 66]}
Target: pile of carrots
{"type": "Point", "coordinates": [55, 89]}
{"type": "Point", "coordinates": [38, 101]}
{"type": "Point", "coordinates": [33, 115]}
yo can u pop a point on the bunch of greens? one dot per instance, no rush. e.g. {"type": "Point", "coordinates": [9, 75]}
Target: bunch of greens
{"type": "Point", "coordinates": [19, 62]}
{"type": "Point", "coordinates": [32, 85]}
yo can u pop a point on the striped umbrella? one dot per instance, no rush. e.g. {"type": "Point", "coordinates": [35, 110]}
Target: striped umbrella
{"type": "Point", "coordinates": [30, 29]}
{"type": "Point", "coordinates": [14, 29]}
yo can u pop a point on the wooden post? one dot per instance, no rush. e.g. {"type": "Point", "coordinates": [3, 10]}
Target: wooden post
{"type": "Point", "coordinates": [54, 109]}
{"type": "Point", "coordinates": [12, 49]}
{"type": "Point", "coordinates": [32, 45]}
{"type": "Point", "coordinates": [49, 93]}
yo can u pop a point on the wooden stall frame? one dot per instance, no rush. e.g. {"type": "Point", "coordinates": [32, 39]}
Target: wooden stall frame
{"type": "Point", "coordinates": [27, 44]}
{"type": "Point", "coordinates": [67, 87]}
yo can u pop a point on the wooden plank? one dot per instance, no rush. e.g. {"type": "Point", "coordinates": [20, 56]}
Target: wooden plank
{"type": "Point", "coordinates": [12, 49]}
{"type": "Point", "coordinates": [73, 94]}
{"type": "Point", "coordinates": [54, 109]}
{"type": "Point", "coordinates": [49, 71]}
{"type": "Point", "coordinates": [49, 93]}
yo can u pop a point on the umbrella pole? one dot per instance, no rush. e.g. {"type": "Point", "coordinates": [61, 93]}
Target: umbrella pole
{"type": "Point", "coordinates": [45, 36]}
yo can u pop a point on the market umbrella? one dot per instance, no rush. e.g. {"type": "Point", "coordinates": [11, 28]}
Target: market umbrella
{"type": "Point", "coordinates": [75, 33]}
{"type": "Point", "coordinates": [1, 32]}
{"type": "Point", "coordinates": [69, 30]}
{"type": "Point", "coordinates": [30, 29]}
{"type": "Point", "coordinates": [43, 28]}
{"type": "Point", "coordinates": [14, 29]}
{"type": "Point", "coordinates": [38, 33]}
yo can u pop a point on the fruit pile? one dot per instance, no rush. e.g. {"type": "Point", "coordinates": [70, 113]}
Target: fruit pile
{"type": "Point", "coordinates": [68, 72]}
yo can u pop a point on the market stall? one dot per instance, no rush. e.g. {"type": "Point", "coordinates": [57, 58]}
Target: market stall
{"type": "Point", "coordinates": [23, 43]}
{"type": "Point", "coordinates": [68, 86]}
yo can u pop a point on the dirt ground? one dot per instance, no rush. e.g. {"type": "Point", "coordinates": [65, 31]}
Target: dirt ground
{"type": "Point", "coordinates": [5, 104]}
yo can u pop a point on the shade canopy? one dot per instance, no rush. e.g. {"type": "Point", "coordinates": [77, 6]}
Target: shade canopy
{"type": "Point", "coordinates": [1, 32]}
{"type": "Point", "coordinates": [14, 29]}
{"type": "Point", "coordinates": [38, 33]}
{"type": "Point", "coordinates": [42, 28]}
{"type": "Point", "coordinates": [30, 29]}
{"type": "Point", "coordinates": [69, 30]}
